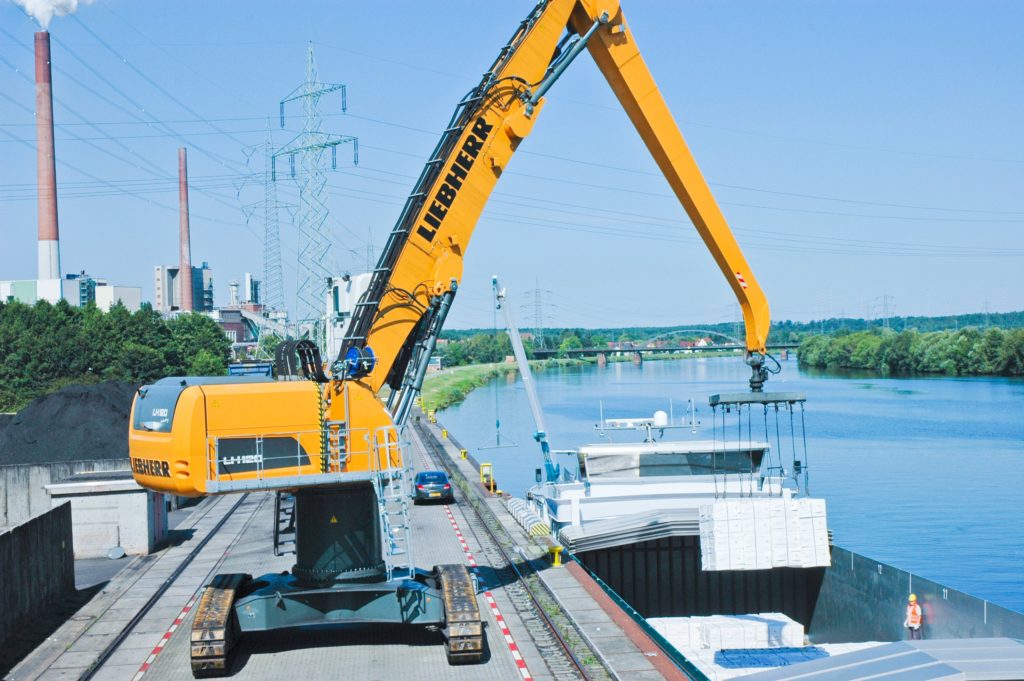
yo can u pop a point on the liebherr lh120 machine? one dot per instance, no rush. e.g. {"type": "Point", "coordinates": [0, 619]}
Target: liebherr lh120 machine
{"type": "Point", "coordinates": [332, 439]}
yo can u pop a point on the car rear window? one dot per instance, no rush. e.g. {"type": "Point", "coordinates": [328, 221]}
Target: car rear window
{"type": "Point", "coordinates": [430, 478]}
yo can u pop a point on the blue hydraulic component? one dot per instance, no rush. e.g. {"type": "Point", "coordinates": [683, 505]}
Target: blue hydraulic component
{"type": "Point", "coordinates": [359, 362]}
{"type": "Point", "coordinates": [551, 469]}
{"type": "Point", "coordinates": [251, 369]}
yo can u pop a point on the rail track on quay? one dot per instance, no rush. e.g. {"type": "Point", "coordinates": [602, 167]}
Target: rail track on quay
{"type": "Point", "coordinates": [115, 644]}
{"type": "Point", "coordinates": [565, 651]}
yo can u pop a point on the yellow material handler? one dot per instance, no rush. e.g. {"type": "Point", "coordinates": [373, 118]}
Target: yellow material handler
{"type": "Point", "coordinates": [327, 436]}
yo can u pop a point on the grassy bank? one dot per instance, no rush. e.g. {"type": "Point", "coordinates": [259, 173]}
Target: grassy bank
{"type": "Point", "coordinates": [451, 386]}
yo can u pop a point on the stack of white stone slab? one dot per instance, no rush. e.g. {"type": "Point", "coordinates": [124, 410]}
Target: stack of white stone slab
{"type": "Point", "coordinates": [730, 632]}
{"type": "Point", "coordinates": [763, 533]}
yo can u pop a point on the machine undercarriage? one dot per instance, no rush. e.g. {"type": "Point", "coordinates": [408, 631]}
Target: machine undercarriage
{"type": "Point", "coordinates": [340, 577]}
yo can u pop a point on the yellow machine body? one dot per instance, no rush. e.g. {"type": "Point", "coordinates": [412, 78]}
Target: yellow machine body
{"type": "Point", "coordinates": [223, 434]}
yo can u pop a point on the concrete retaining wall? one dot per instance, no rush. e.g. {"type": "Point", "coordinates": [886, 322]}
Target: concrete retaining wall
{"type": "Point", "coordinates": [36, 568]}
{"type": "Point", "coordinates": [22, 493]}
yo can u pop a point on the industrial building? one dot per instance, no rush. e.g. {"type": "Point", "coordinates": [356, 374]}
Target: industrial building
{"type": "Point", "coordinates": [167, 289]}
{"type": "Point", "coordinates": [78, 290]}
{"type": "Point", "coordinates": [251, 292]}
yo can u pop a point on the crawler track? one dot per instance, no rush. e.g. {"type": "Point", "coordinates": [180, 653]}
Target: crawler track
{"type": "Point", "coordinates": [565, 651]}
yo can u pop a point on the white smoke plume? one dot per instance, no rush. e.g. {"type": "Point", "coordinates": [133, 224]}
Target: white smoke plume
{"type": "Point", "coordinates": [45, 10]}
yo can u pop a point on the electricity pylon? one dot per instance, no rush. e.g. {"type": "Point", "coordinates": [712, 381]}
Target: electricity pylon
{"type": "Point", "coordinates": [311, 146]}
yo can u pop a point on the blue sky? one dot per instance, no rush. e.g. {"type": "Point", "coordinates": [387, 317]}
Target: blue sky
{"type": "Point", "coordinates": [859, 150]}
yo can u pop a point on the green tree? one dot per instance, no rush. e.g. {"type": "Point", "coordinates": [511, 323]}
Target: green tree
{"type": "Point", "coordinates": [454, 354]}
{"type": "Point", "coordinates": [984, 357]}
{"type": "Point", "coordinates": [205, 363]}
{"type": "Point", "coordinates": [568, 344]}
{"type": "Point", "coordinates": [866, 350]}
{"type": "Point", "coordinates": [192, 333]}
{"type": "Point", "coordinates": [137, 363]}
{"type": "Point", "coordinates": [1011, 356]}
{"type": "Point", "coordinates": [267, 346]}
{"type": "Point", "coordinates": [896, 354]}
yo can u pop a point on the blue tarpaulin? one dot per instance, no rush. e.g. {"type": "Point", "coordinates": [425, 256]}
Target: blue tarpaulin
{"type": "Point", "coordinates": [737, 658]}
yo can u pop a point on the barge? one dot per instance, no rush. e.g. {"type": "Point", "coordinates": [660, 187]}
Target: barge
{"type": "Point", "coordinates": [631, 514]}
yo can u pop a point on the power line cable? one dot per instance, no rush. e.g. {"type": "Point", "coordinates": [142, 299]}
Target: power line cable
{"type": "Point", "coordinates": [881, 248]}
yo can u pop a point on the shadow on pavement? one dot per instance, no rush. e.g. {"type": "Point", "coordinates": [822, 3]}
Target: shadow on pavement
{"type": "Point", "coordinates": [337, 635]}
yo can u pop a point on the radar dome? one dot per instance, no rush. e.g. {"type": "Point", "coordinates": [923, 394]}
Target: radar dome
{"type": "Point", "coordinates": [660, 419]}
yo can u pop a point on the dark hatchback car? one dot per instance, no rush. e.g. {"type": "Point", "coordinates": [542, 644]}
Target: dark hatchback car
{"type": "Point", "coordinates": [432, 486]}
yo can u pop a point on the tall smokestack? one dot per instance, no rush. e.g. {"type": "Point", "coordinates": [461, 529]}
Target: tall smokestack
{"type": "Point", "coordinates": [185, 264]}
{"type": "Point", "coordinates": [46, 173]}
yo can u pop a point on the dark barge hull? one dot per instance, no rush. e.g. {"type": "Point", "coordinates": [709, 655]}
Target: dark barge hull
{"type": "Point", "coordinates": [856, 599]}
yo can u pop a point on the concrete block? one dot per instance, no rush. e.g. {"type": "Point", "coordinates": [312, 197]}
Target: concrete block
{"type": "Point", "coordinates": [111, 510]}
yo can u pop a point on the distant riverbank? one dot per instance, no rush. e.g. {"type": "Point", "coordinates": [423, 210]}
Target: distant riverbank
{"type": "Point", "coordinates": [450, 386]}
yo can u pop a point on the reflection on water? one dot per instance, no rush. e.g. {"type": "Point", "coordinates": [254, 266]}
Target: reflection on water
{"type": "Point", "coordinates": [923, 473]}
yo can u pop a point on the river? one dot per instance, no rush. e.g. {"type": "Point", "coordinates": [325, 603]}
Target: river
{"type": "Point", "coordinates": [921, 473]}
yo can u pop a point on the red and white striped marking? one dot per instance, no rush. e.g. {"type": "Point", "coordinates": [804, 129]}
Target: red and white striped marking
{"type": "Point", "coordinates": [167, 636]}
{"type": "Point", "coordinates": [739, 278]}
{"type": "Point", "coordinates": [192, 601]}
{"type": "Point", "coordinates": [509, 641]}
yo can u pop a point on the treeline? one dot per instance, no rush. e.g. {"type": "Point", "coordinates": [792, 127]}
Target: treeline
{"type": "Point", "coordinates": [967, 351]}
{"type": "Point", "coordinates": [784, 331]}
{"type": "Point", "coordinates": [486, 348]}
{"type": "Point", "coordinates": [553, 339]}
{"type": "Point", "coordinates": [44, 346]}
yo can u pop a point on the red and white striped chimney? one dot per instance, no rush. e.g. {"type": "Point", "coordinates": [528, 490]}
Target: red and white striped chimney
{"type": "Point", "coordinates": [46, 172]}
{"type": "Point", "coordinates": [185, 250]}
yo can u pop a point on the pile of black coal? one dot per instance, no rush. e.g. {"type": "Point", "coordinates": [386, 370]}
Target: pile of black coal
{"type": "Point", "coordinates": [76, 423]}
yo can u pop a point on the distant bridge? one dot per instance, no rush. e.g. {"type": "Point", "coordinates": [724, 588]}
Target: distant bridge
{"type": "Point", "coordinates": [640, 351]}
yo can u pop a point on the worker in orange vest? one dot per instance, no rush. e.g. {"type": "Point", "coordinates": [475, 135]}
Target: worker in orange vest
{"type": "Point", "coordinates": [913, 621]}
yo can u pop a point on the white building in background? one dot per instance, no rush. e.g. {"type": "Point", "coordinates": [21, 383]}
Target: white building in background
{"type": "Point", "coordinates": [167, 288]}
{"type": "Point", "coordinates": [77, 289]}
{"type": "Point", "coordinates": [107, 296]}
{"type": "Point", "coordinates": [251, 292]}
{"type": "Point", "coordinates": [342, 295]}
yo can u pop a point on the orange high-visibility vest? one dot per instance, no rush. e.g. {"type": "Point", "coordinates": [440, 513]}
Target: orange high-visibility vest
{"type": "Point", "coordinates": [913, 615]}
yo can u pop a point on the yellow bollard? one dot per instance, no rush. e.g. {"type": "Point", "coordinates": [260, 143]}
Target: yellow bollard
{"type": "Point", "coordinates": [487, 478]}
{"type": "Point", "coordinates": [556, 556]}
{"type": "Point", "coordinates": [463, 453]}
